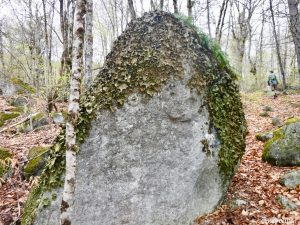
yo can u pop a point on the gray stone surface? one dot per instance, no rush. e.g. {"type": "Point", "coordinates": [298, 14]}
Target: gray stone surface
{"type": "Point", "coordinates": [286, 203]}
{"type": "Point", "coordinates": [146, 166]}
{"type": "Point", "coordinates": [58, 118]}
{"type": "Point", "coordinates": [7, 89]}
{"type": "Point", "coordinates": [291, 179]}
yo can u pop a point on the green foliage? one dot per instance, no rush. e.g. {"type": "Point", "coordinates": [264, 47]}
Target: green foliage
{"type": "Point", "coordinates": [7, 116]}
{"type": "Point", "coordinates": [24, 88]}
{"type": "Point", "coordinates": [209, 43]}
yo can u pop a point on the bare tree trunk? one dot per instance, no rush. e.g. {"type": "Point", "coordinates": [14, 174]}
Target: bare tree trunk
{"type": "Point", "coordinates": [153, 7]}
{"type": "Point", "coordinates": [221, 21]}
{"type": "Point", "coordinates": [190, 5]}
{"type": "Point", "coordinates": [131, 9]}
{"type": "Point", "coordinates": [88, 53]}
{"type": "Point", "coordinates": [175, 4]}
{"type": "Point", "coordinates": [2, 51]}
{"type": "Point", "coordinates": [277, 47]}
{"type": "Point", "coordinates": [295, 28]}
{"type": "Point", "coordinates": [47, 47]}
{"type": "Point", "coordinates": [73, 109]}
{"type": "Point", "coordinates": [161, 4]}
{"type": "Point", "coordinates": [208, 16]}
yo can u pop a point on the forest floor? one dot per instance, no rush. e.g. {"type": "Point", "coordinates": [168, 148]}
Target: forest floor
{"type": "Point", "coordinates": [256, 182]}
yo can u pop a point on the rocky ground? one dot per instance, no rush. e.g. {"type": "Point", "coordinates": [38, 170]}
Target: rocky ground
{"type": "Point", "coordinates": [251, 198]}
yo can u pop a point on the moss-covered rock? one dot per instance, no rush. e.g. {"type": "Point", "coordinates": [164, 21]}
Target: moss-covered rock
{"type": "Point", "coordinates": [142, 61]}
{"type": "Point", "coordinates": [291, 180]}
{"type": "Point", "coordinates": [22, 87]}
{"type": "Point", "coordinates": [38, 120]}
{"type": "Point", "coordinates": [5, 157]}
{"type": "Point", "coordinates": [264, 136]}
{"type": "Point", "coordinates": [284, 148]}
{"type": "Point", "coordinates": [19, 101]}
{"type": "Point", "coordinates": [58, 117]}
{"type": "Point", "coordinates": [5, 116]}
{"type": "Point", "coordinates": [37, 159]}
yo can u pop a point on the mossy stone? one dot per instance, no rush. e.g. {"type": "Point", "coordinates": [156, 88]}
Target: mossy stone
{"type": "Point", "coordinates": [284, 148]}
{"type": "Point", "coordinates": [4, 116]}
{"type": "Point", "coordinates": [23, 88]}
{"type": "Point", "coordinates": [4, 164]}
{"type": "Point", "coordinates": [37, 159]}
{"type": "Point", "coordinates": [144, 67]}
{"type": "Point", "coordinates": [264, 136]}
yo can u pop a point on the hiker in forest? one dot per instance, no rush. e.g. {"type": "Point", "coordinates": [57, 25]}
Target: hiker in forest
{"type": "Point", "coordinates": [273, 82]}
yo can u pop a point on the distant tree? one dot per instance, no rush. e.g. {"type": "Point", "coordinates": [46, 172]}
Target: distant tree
{"type": "Point", "coordinates": [175, 5]}
{"type": "Point", "coordinates": [295, 27]}
{"type": "Point", "coordinates": [131, 9]}
{"type": "Point", "coordinates": [277, 46]}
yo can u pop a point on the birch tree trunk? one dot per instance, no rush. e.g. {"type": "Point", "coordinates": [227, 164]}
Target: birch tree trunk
{"type": "Point", "coordinates": [295, 28]}
{"type": "Point", "coordinates": [88, 53]}
{"type": "Point", "coordinates": [131, 9]}
{"type": "Point", "coordinates": [73, 109]}
{"type": "Point", "coordinates": [277, 47]}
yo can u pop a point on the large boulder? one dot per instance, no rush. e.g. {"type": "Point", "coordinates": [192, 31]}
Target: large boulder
{"type": "Point", "coordinates": [283, 149]}
{"type": "Point", "coordinates": [160, 132]}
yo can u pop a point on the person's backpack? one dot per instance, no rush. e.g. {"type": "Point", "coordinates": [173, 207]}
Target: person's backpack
{"type": "Point", "coordinates": [272, 79]}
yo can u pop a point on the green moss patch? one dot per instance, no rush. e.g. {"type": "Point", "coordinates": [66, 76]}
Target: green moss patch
{"type": "Point", "coordinates": [23, 87]}
{"type": "Point", "coordinates": [5, 157]}
{"type": "Point", "coordinates": [4, 116]}
{"type": "Point", "coordinates": [37, 160]}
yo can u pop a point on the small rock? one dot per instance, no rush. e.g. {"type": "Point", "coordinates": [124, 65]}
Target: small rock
{"type": "Point", "coordinates": [261, 202]}
{"type": "Point", "coordinates": [19, 101]}
{"type": "Point", "coordinates": [58, 118]}
{"type": "Point", "coordinates": [267, 109]}
{"type": "Point", "coordinates": [286, 203]}
{"type": "Point", "coordinates": [237, 203]}
{"type": "Point", "coordinates": [291, 180]}
{"type": "Point", "coordinates": [264, 114]}
{"type": "Point", "coordinates": [276, 121]}
{"type": "Point", "coordinates": [264, 136]}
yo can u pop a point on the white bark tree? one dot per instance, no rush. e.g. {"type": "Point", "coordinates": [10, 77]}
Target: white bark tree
{"type": "Point", "coordinates": [88, 52]}
{"type": "Point", "coordinates": [73, 109]}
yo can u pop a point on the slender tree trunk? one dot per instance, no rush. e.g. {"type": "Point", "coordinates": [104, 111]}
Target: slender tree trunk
{"type": "Point", "coordinates": [295, 28]}
{"type": "Point", "coordinates": [175, 5]}
{"type": "Point", "coordinates": [208, 17]}
{"type": "Point", "coordinates": [161, 4]}
{"type": "Point", "coordinates": [131, 9]}
{"type": "Point", "coordinates": [73, 109]}
{"type": "Point", "coordinates": [47, 47]}
{"type": "Point", "coordinates": [277, 47]}
{"type": "Point", "coordinates": [221, 21]}
{"type": "Point", "coordinates": [88, 53]}
{"type": "Point", "coordinates": [190, 4]}
{"type": "Point", "coordinates": [2, 52]}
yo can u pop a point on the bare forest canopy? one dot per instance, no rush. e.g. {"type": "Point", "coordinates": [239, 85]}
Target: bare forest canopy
{"type": "Point", "coordinates": [36, 37]}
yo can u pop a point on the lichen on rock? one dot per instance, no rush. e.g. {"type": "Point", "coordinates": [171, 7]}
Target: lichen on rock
{"type": "Point", "coordinates": [159, 57]}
